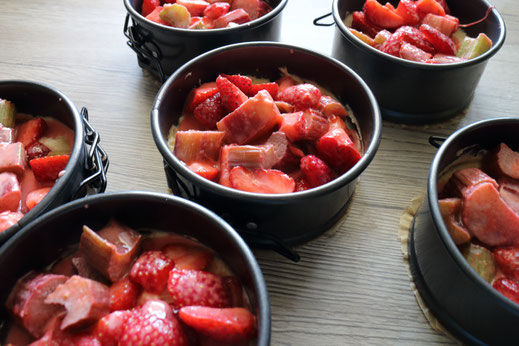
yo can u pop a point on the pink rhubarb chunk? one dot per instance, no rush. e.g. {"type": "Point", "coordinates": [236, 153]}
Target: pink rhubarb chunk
{"type": "Point", "coordinates": [509, 191]}
{"type": "Point", "coordinates": [10, 193]}
{"type": "Point", "coordinates": [6, 134]}
{"type": "Point", "coordinates": [198, 145]}
{"type": "Point", "coordinates": [507, 162]}
{"type": "Point", "coordinates": [449, 208]}
{"type": "Point", "coordinates": [12, 158]}
{"type": "Point", "coordinates": [488, 217]}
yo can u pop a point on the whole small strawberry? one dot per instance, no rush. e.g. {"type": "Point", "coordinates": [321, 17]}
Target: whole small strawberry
{"type": "Point", "coordinates": [302, 96]}
{"type": "Point", "coordinates": [210, 111]}
{"type": "Point", "coordinates": [151, 271]}
{"type": "Point", "coordinates": [316, 171]}
{"type": "Point", "coordinates": [195, 287]}
{"type": "Point", "coordinates": [124, 294]}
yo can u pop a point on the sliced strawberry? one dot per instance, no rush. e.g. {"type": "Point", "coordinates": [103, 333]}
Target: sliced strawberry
{"type": "Point", "coordinates": [30, 131]}
{"type": "Point", "coordinates": [429, 6]}
{"type": "Point", "coordinates": [316, 171]}
{"type": "Point", "coordinates": [412, 53]}
{"type": "Point", "coordinates": [393, 44]}
{"type": "Point", "coordinates": [408, 11]}
{"type": "Point", "coordinates": [228, 325]}
{"type": "Point", "coordinates": [441, 42]}
{"type": "Point", "coordinates": [9, 218]}
{"type": "Point", "coordinates": [238, 16]}
{"type": "Point", "coordinates": [124, 294]}
{"type": "Point", "coordinates": [272, 88]}
{"type": "Point", "coordinates": [302, 96]}
{"type": "Point", "coordinates": [204, 169]}
{"type": "Point", "coordinates": [445, 24]}
{"type": "Point", "coordinates": [198, 95]}
{"type": "Point", "coordinates": [381, 15]}
{"type": "Point", "coordinates": [508, 288]}
{"type": "Point", "coordinates": [210, 111]}
{"type": "Point", "coordinates": [285, 82]}
{"type": "Point", "coordinates": [109, 329]}
{"type": "Point", "coordinates": [261, 180]}
{"type": "Point", "coordinates": [48, 168]}
{"type": "Point", "coordinates": [252, 7]}
{"type": "Point", "coordinates": [34, 197]}
{"type": "Point", "coordinates": [380, 38]}
{"type": "Point", "coordinates": [338, 150]}
{"type": "Point", "coordinates": [216, 10]}
{"type": "Point", "coordinates": [232, 96]}
{"type": "Point", "coordinates": [361, 23]}
{"type": "Point", "coordinates": [155, 17]}
{"type": "Point", "coordinates": [195, 7]}
{"type": "Point", "coordinates": [188, 257]}
{"type": "Point", "coordinates": [194, 287]}
{"type": "Point", "coordinates": [415, 37]}
{"type": "Point", "coordinates": [151, 271]}
{"type": "Point", "coordinates": [148, 6]}
{"type": "Point", "coordinates": [507, 259]}
{"type": "Point", "coordinates": [242, 82]}
{"type": "Point", "coordinates": [36, 150]}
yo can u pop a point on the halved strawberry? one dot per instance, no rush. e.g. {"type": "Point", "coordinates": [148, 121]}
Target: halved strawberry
{"type": "Point", "coordinates": [441, 42]}
{"type": "Point", "coordinates": [148, 6]}
{"type": "Point", "coordinates": [507, 259]}
{"type": "Point", "coordinates": [412, 53]}
{"type": "Point", "coordinates": [198, 95]}
{"type": "Point", "coordinates": [48, 168]}
{"type": "Point", "coordinates": [109, 329]}
{"type": "Point", "coordinates": [216, 9]}
{"type": "Point", "coordinates": [195, 7]}
{"type": "Point", "coordinates": [34, 197]}
{"type": "Point", "coordinates": [272, 88]}
{"type": "Point", "coordinates": [204, 169]}
{"type": "Point", "coordinates": [227, 325]}
{"type": "Point", "coordinates": [232, 96]}
{"type": "Point", "coordinates": [393, 43]}
{"type": "Point", "coordinates": [195, 287]}
{"type": "Point", "coordinates": [381, 15]}
{"type": "Point", "coordinates": [261, 180]}
{"type": "Point", "coordinates": [316, 171]}
{"type": "Point", "coordinates": [508, 288]}
{"type": "Point", "coordinates": [361, 23]}
{"type": "Point", "coordinates": [242, 82]}
{"type": "Point", "coordinates": [188, 257]}
{"type": "Point", "coordinates": [30, 131]}
{"type": "Point", "coordinates": [36, 150]}
{"type": "Point", "coordinates": [151, 271]}
{"type": "Point", "coordinates": [338, 150]}
{"type": "Point", "coordinates": [124, 294]}
{"type": "Point", "coordinates": [155, 17]}
{"type": "Point", "coordinates": [210, 111]}
{"type": "Point", "coordinates": [302, 96]}
{"type": "Point", "coordinates": [429, 6]}
{"type": "Point", "coordinates": [408, 11]}
{"type": "Point", "coordinates": [415, 37]}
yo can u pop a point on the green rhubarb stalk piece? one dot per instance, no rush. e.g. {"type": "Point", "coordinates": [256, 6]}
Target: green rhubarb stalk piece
{"type": "Point", "coordinates": [473, 47]}
{"type": "Point", "coordinates": [7, 113]}
{"type": "Point", "coordinates": [177, 15]}
{"type": "Point", "coordinates": [482, 260]}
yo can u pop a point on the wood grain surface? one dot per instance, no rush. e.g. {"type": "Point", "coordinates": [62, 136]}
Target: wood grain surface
{"type": "Point", "coordinates": [351, 286]}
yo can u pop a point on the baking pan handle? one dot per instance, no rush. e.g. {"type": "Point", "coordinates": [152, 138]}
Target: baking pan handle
{"type": "Point", "coordinates": [96, 161]}
{"type": "Point", "coordinates": [137, 41]}
{"type": "Point", "coordinates": [261, 240]}
{"type": "Point", "coordinates": [436, 141]}
{"type": "Point", "coordinates": [316, 20]}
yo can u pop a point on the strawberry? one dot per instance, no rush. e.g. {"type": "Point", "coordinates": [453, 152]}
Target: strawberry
{"type": "Point", "coordinates": [272, 88]}
{"type": "Point", "coordinates": [204, 169]}
{"type": "Point", "coordinates": [316, 171]}
{"type": "Point", "coordinates": [228, 325]}
{"type": "Point", "coordinates": [238, 16]}
{"type": "Point", "coordinates": [216, 10]}
{"type": "Point", "coordinates": [155, 16]}
{"type": "Point", "coordinates": [261, 180]}
{"type": "Point", "coordinates": [443, 4]}
{"type": "Point", "coordinates": [188, 257]}
{"type": "Point", "coordinates": [198, 95]}
{"type": "Point", "coordinates": [9, 218]}
{"type": "Point", "coordinates": [429, 6]}
{"type": "Point", "coordinates": [508, 288]}
{"type": "Point", "coordinates": [393, 44]}
{"type": "Point", "coordinates": [361, 23]}
{"type": "Point", "coordinates": [124, 294]}
{"type": "Point", "coordinates": [146, 328]}
{"type": "Point", "coordinates": [232, 96]}
{"type": "Point", "coordinates": [412, 53]}
{"type": "Point", "coordinates": [415, 37]}
{"type": "Point", "coordinates": [264, 8]}
{"type": "Point", "coordinates": [442, 43]}
{"type": "Point", "coordinates": [285, 82]}
{"type": "Point", "coordinates": [151, 271]}
{"type": "Point", "coordinates": [210, 111]}
{"type": "Point", "coordinates": [48, 168]}
{"type": "Point", "coordinates": [36, 150]}
{"type": "Point", "coordinates": [302, 183]}
{"type": "Point", "coordinates": [445, 24]}
{"type": "Point", "coordinates": [148, 6]}
{"type": "Point", "coordinates": [381, 15]}
{"type": "Point", "coordinates": [507, 260]}
{"type": "Point", "coordinates": [30, 131]}
{"type": "Point", "coordinates": [195, 7]}
{"type": "Point", "coordinates": [338, 150]}
{"type": "Point", "coordinates": [242, 82]}
{"type": "Point", "coordinates": [195, 287]}
{"type": "Point", "coordinates": [302, 96]}
{"type": "Point", "coordinates": [252, 7]}
{"type": "Point", "coordinates": [108, 330]}
{"type": "Point", "coordinates": [408, 11]}
{"type": "Point", "coordinates": [35, 196]}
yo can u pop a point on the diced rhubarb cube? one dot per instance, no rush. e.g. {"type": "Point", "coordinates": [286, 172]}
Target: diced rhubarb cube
{"type": "Point", "coordinates": [112, 250]}
{"type": "Point", "coordinates": [505, 162]}
{"type": "Point", "coordinates": [293, 125]}
{"type": "Point", "coordinates": [7, 113]}
{"type": "Point", "coordinates": [252, 7]}
{"type": "Point", "coordinates": [467, 177]}
{"type": "Point", "coordinates": [261, 180]}
{"type": "Point", "coordinates": [8, 219]}
{"type": "Point", "coordinates": [6, 134]}
{"type": "Point", "coordinates": [238, 16]}
{"type": "Point", "coordinates": [12, 158]}
{"type": "Point", "coordinates": [195, 7]}
{"type": "Point", "coordinates": [30, 131]}
{"type": "Point", "coordinates": [444, 59]}
{"type": "Point", "coordinates": [216, 10]}
{"type": "Point", "coordinates": [473, 47]}
{"type": "Point", "coordinates": [225, 170]}
{"type": "Point", "coordinates": [204, 169]}
{"type": "Point", "coordinates": [10, 192]}
{"type": "Point", "coordinates": [154, 16]}
{"type": "Point", "coordinates": [445, 24]}
{"type": "Point", "coordinates": [27, 301]}
{"type": "Point", "coordinates": [412, 53]}
{"type": "Point", "coordinates": [338, 150]}
{"type": "Point", "coordinates": [198, 95]}
{"type": "Point", "coordinates": [449, 208]}
{"type": "Point", "coordinates": [287, 155]}
{"type": "Point", "coordinates": [253, 119]}
{"type": "Point", "coordinates": [85, 300]}
{"type": "Point", "coordinates": [200, 146]}
{"type": "Point", "coordinates": [251, 156]}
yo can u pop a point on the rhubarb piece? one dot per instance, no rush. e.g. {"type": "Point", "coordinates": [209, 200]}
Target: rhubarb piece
{"type": "Point", "coordinates": [381, 15]}
{"type": "Point", "coordinates": [444, 59]}
{"type": "Point", "coordinates": [82, 268]}
{"type": "Point", "coordinates": [284, 107]}
{"type": "Point", "coordinates": [193, 287]}
{"type": "Point", "coordinates": [151, 271]}
{"type": "Point", "coordinates": [449, 208]}
{"type": "Point", "coordinates": [253, 119]}
{"type": "Point", "coordinates": [507, 260]}
{"type": "Point", "coordinates": [481, 260]}
{"type": "Point", "coordinates": [204, 169]}
{"type": "Point", "coordinates": [293, 125]}
{"type": "Point", "coordinates": [457, 37]}
{"type": "Point", "coordinates": [238, 16]}
{"type": "Point", "coordinates": [314, 125]}
{"type": "Point", "coordinates": [330, 106]}
{"type": "Point", "coordinates": [10, 192]}
{"type": "Point", "coordinates": [112, 250]}
{"type": "Point", "coordinates": [445, 24]}
{"type": "Point", "coordinates": [59, 145]}
{"type": "Point", "coordinates": [210, 111]}
{"type": "Point", "coordinates": [316, 171]}
{"type": "Point", "coordinates": [6, 134]}
{"type": "Point", "coordinates": [85, 300]}
{"type": "Point", "coordinates": [473, 47]}
{"type": "Point", "coordinates": [509, 192]}
{"type": "Point", "coordinates": [251, 156]}
{"type": "Point", "coordinates": [338, 150]}
{"type": "Point", "coordinates": [505, 162]}
{"type": "Point", "coordinates": [34, 197]}
{"type": "Point", "coordinates": [154, 16]}
{"type": "Point", "coordinates": [30, 131]}
{"type": "Point", "coordinates": [198, 95]}
{"type": "Point", "coordinates": [27, 301]}
{"type": "Point", "coordinates": [232, 96]}
{"type": "Point", "coordinates": [198, 145]}
{"type": "Point", "coordinates": [189, 257]}
{"type": "Point", "coordinates": [8, 219]}
{"type": "Point", "coordinates": [252, 7]}
{"type": "Point", "coordinates": [467, 177]}
{"type": "Point", "coordinates": [12, 158]}
{"type": "Point", "coordinates": [176, 15]}
{"type": "Point", "coordinates": [225, 170]}
{"type": "Point", "coordinates": [7, 113]}
{"type": "Point", "coordinates": [302, 96]}
{"type": "Point", "coordinates": [362, 36]}
{"type": "Point", "coordinates": [286, 155]}
{"type": "Point", "coordinates": [412, 53]}
{"type": "Point", "coordinates": [216, 10]}
{"type": "Point", "coordinates": [235, 290]}
{"type": "Point", "coordinates": [488, 217]}
{"type": "Point", "coordinates": [195, 7]}
{"type": "Point", "coordinates": [261, 180]}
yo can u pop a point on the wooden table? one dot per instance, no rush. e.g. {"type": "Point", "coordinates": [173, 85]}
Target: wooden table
{"type": "Point", "coordinates": [351, 286]}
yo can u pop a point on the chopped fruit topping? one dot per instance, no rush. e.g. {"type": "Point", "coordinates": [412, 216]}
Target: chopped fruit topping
{"type": "Point", "coordinates": [429, 6]}
{"type": "Point", "coordinates": [7, 113]}
{"type": "Point", "coordinates": [410, 52]}
{"type": "Point", "coordinates": [151, 271]}
{"type": "Point", "coordinates": [227, 325]}
{"type": "Point", "coordinates": [251, 156]}
{"type": "Point", "coordinates": [176, 15]}
{"type": "Point", "coordinates": [481, 260]}
{"type": "Point", "coordinates": [261, 180]}
{"type": "Point", "coordinates": [10, 193]}
{"type": "Point", "coordinates": [198, 145]}
{"type": "Point", "coordinates": [206, 170]}
{"type": "Point", "coordinates": [6, 134]}
{"type": "Point", "coordinates": [155, 16]}
{"type": "Point", "coordinates": [232, 96]}
{"type": "Point", "coordinates": [8, 219]}
{"type": "Point", "coordinates": [442, 43]}
{"type": "Point", "coordinates": [338, 150]}
{"type": "Point", "coordinates": [238, 16]}
{"type": "Point", "coordinates": [148, 6]}
{"type": "Point", "coordinates": [36, 150]}
{"type": "Point", "coordinates": [416, 38]}
{"type": "Point", "coordinates": [12, 158]}
{"type": "Point", "coordinates": [198, 95]}
{"type": "Point", "coordinates": [408, 11]}
{"type": "Point", "coordinates": [210, 111]}
{"type": "Point", "coordinates": [217, 9]}
{"type": "Point", "coordinates": [195, 7]}
{"type": "Point", "coordinates": [508, 288]}
{"type": "Point", "coordinates": [329, 106]}
{"type": "Point", "coordinates": [447, 25]}
{"type": "Point", "coordinates": [285, 82]}
{"type": "Point", "coordinates": [48, 168]}
{"type": "Point", "coordinates": [252, 7]}
{"type": "Point", "coordinates": [272, 88]}
{"type": "Point", "coordinates": [507, 260]}
{"type": "Point", "coordinates": [361, 23]}
{"type": "Point", "coordinates": [381, 15]}
{"type": "Point", "coordinates": [302, 96]}
{"type": "Point", "coordinates": [35, 197]}
{"type": "Point", "coordinates": [471, 48]}
{"type": "Point", "coordinates": [30, 131]}
{"type": "Point", "coordinates": [287, 156]}
{"type": "Point", "coordinates": [188, 256]}
{"type": "Point", "coordinates": [244, 83]}
{"type": "Point", "coordinates": [194, 287]}
{"type": "Point", "coordinates": [109, 329]}
{"type": "Point", "coordinates": [393, 43]}
{"type": "Point", "coordinates": [124, 294]}
{"type": "Point", "coordinates": [363, 37]}
{"type": "Point", "coordinates": [316, 171]}
{"type": "Point", "coordinates": [449, 208]}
